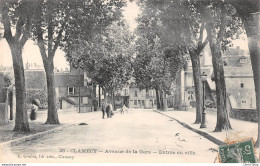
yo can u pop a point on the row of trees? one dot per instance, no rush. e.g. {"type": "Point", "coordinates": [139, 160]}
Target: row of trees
{"type": "Point", "coordinates": [186, 27]}
{"type": "Point", "coordinates": [96, 39]}
{"type": "Point", "coordinates": [106, 58]}
{"type": "Point", "coordinates": [51, 24]}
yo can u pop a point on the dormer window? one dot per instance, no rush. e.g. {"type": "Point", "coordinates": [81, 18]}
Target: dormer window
{"type": "Point", "coordinates": [242, 60]}
{"type": "Point", "coordinates": [71, 90]}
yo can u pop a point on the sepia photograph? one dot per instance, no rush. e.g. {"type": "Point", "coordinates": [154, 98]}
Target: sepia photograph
{"type": "Point", "coordinates": [129, 81]}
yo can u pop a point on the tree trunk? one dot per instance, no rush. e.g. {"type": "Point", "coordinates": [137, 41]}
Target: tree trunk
{"type": "Point", "coordinates": [21, 117]}
{"type": "Point", "coordinates": [52, 110]}
{"type": "Point", "coordinates": [164, 101]}
{"type": "Point", "coordinates": [105, 96]}
{"type": "Point", "coordinates": [195, 60]}
{"type": "Point", "coordinates": [253, 36]}
{"type": "Point", "coordinates": [99, 96]}
{"type": "Point", "coordinates": [11, 105]}
{"type": "Point", "coordinates": [215, 46]}
{"type": "Point", "coordinates": [158, 99]}
{"type": "Point", "coordinates": [113, 99]}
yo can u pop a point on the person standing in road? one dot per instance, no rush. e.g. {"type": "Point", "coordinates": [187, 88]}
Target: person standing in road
{"type": "Point", "coordinates": [109, 110]}
{"type": "Point", "coordinates": [103, 110]}
{"type": "Point", "coordinates": [33, 111]}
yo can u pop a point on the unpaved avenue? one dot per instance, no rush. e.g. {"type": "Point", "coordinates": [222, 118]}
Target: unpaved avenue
{"type": "Point", "coordinates": [137, 136]}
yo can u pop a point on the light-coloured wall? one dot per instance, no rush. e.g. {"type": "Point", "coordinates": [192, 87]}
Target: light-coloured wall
{"type": "Point", "coordinates": [245, 96]}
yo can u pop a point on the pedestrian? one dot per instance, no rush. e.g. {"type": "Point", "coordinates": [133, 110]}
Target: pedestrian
{"type": "Point", "coordinates": [109, 109]}
{"type": "Point", "coordinates": [103, 110]}
{"type": "Point", "coordinates": [123, 109]}
{"type": "Point", "coordinates": [33, 111]}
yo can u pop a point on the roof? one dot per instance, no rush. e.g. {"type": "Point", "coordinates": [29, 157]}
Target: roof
{"type": "Point", "coordinates": [234, 61]}
{"type": "Point", "coordinates": [66, 79]}
{"type": "Point", "coordinates": [35, 79]}
{"type": "Point", "coordinates": [211, 84]}
{"type": "Point", "coordinates": [238, 71]}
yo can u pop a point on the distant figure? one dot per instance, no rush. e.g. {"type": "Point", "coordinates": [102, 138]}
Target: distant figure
{"type": "Point", "coordinates": [33, 112]}
{"type": "Point", "coordinates": [109, 111]}
{"type": "Point", "coordinates": [123, 109]}
{"type": "Point", "coordinates": [103, 110]}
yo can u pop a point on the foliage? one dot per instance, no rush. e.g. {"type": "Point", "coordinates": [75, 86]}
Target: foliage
{"type": "Point", "coordinates": [159, 56]}
{"type": "Point", "coordinates": [107, 59]}
{"type": "Point", "coordinates": [7, 80]}
{"type": "Point", "coordinates": [41, 95]}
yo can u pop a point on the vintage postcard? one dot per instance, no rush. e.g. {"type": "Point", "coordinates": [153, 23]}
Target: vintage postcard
{"type": "Point", "coordinates": [117, 81]}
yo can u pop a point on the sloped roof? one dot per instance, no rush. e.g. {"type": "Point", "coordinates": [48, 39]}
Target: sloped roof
{"type": "Point", "coordinates": [238, 71]}
{"type": "Point", "coordinates": [35, 79]}
{"type": "Point", "coordinates": [211, 84]}
{"type": "Point", "coordinates": [66, 79]}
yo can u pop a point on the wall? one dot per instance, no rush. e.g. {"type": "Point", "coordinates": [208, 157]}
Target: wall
{"type": "Point", "coordinates": [244, 114]}
{"type": "Point", "coordinates": [3, 106]}
{"type": "Point", "coordinates": [140, 98]}
{"type": "Point", "coordinates": [245, 96]}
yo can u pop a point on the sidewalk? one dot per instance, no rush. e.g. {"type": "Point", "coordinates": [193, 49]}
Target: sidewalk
{"type": "Point", "coordinates": [241, 129]}
{"type": "Point", "coordinates": [38, 128]}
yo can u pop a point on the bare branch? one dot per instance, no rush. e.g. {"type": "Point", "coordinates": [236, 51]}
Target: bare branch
{"type": "Point", "coordinates": [57, 42]}
{"type": "Point", "coordinates": [41, 45]}
{"type": "Point", "coordinates": [201, 33]}
{"type": "Point", "coordinates": [19, 26]}
{"type": "Point", "coordinates": [7, 24]}
{"type": "Point", "coordinates": [50, 35]}
{"type": "Point", "coordinates": [26, 34]}
{"type": "Point", "coordinates": [223, 23]}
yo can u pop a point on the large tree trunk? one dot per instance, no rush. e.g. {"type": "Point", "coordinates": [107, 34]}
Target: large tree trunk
{"type": "Point", "coordinates": [99, 96]}
{"type": "Point", "coordinates": [195, 60]}
{"type": "Point", "coordinates": [158, 99]}
{"type": "Point", "coordinates": [21, 119]}
{"type": "Point", "coordinates": [164, 101]}
{"type": "Point", "coordinates": [113, 99]}
{"type": "Point", "coordinates": [253, 35]}
{"type": "Point", "coordinates": [215, 46]}
{"type": "Point", "coordinates": [11, 105]}
{"type": "Point", "coordinates": [52, 110]}
{"type": "Point", "coordinates": [105, 96]}
{"type": "Point", "coordinates": [16, 43]}
{"type": "Point", "coordinates": [161, 99]}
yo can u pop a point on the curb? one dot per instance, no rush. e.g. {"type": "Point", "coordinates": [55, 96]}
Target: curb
{"type": "Point", "coordinates": [33, 136]}
{"type": "Point", "coordinates": [204, 134]}
{"type": "Point", "coordinates": [18, 141]}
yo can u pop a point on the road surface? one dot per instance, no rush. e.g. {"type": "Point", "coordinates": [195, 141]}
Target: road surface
{"type": "Point", "coordinates": [136, 136]}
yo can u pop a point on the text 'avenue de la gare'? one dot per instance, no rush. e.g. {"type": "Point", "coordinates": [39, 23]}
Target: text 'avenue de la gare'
{"type": "Point", "coordinates": [127, 151]}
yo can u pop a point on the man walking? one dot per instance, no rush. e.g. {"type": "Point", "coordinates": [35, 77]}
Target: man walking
{"type": "Point", "coordinates": [109, 110]}
{"type": "Point", "coordinates": [103, 110]}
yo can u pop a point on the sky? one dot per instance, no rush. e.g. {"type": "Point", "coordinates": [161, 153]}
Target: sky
{"type": "Point", "coordinates": [31, 51]}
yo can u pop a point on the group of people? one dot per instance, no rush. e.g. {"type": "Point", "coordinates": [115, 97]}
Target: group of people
{"type": "Point", "coordinates": [109, 110]}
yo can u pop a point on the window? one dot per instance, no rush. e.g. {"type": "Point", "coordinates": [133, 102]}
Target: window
{"type": "Point", "coordinates": [151, 93]}
{"type": "Point", "coordinates": [71, 90]}
{"type": "Point", "coordinates": [135, 102]}
{"type": "Point", "coordinates": [243, 101]}
{"type": "Point", "coordinates": [135, 93]}
{"type": "Point", "coordinates": [139, 102]}
{"type": "Point", "coordinates": [126, 92]}
{"type": "Point", "coordinates": [242, 85]}
{"type": "Point", "coordinates": [81, 99]}
{"type": "Point", "coordinates": [243, 60]}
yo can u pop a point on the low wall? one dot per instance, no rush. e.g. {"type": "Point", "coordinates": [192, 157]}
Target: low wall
{"type": "Point", "coordinates": [244, 114]}
{"type": "Point", "coordinates": [3, 106]}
